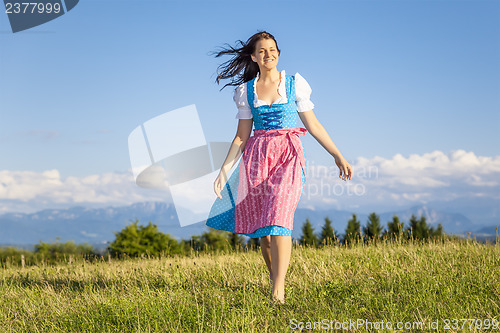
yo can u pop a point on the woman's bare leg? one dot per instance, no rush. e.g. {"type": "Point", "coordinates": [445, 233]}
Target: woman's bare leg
{"type": "Point", "coordinates": [265, 247]}
{"type": "Point", "coordinates": [281, 250]}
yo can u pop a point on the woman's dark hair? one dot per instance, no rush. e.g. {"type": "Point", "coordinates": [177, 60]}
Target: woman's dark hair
{"type": "Point", "coordinates": [242, 61]}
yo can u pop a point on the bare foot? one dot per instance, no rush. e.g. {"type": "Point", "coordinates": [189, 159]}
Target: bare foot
{"type": "Point", "coordinates": [278, 295]}
{"type": "Point", "coordinates": [279, 300]}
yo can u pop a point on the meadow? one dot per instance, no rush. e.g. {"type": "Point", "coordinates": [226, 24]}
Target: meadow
{"type": "Point", "coordinates": [406, 286]}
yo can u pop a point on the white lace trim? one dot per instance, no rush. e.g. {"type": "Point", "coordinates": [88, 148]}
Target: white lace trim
{"type": "Point", "coordinates": [302, 96]}
{"type": "Point", "coordinates": [281, 90]}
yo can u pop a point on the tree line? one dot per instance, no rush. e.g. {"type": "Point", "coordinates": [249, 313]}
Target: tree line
{"type": "Point", "coordinates": [417, 229]}
{"type": "Point", "coordinates": [137, 240]}
{"type": "Point", "coordinates": [48, 253]}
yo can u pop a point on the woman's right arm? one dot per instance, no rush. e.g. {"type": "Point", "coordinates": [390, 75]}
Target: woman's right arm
{"type": "Point", "coordinates": [235, 151]}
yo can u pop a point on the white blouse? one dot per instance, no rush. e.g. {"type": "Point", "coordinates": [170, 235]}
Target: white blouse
{"type": "Point", "coordinates": [302, 94]}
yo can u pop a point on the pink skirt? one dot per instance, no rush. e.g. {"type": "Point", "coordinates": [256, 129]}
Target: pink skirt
{"type": "Point", "coordinates": [270, 179]}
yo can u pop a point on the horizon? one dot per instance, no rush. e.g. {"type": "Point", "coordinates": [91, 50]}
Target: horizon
{"type": "Point", "coordinates": [116, 218]}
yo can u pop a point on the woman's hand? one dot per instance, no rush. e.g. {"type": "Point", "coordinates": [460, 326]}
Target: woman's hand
{"type": "Point", "coordinates": [314, 127]}
{"type": "Point", "coordinates": [234, 153]}
{"type": "Point", "coordinates": [219, 183]}
{"type": "Point", "coordinates": [344, 167]}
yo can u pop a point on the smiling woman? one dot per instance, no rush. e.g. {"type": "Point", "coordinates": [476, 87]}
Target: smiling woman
{"type": "Point", "coordinates": [260, 197]}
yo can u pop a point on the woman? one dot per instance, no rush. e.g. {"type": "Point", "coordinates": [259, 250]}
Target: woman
{"type": "Point", "coordinates": [260, 198]}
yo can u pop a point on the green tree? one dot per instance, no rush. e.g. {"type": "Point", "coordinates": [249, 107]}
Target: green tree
{"type": "Point", "coordinates": [328, 235]}
{"type": "Point", "coordinates": [236, 241]}
{"type": "Point", "coordinates": [11, 253]}
{"type": "Point", "coordinates": [419, 229]}
{"type": "Point", "coordinates": [53, 252]}
{"type": "Point", "coordinates": [214, 240]}
{"type": "Point", "coordinates": [308, 236]}
{"type": "Point", "coordinates": [135, 240]}
{"type": "Point", "coordinates": [395, 228]}
{"type": "Point", "coordinates": [193, 243]}
{"type": "Point", "coordinates": [253, 243]}
{"type": "Point", "coordinates": [425, 231]}
{"type": "Point", "coordinates": [373, 229]}
{"type": "Point", "coordinates": [57, 248]}
{"type": "Point", "coordinates": [353, 230]}
{"type": "Point", "coordinates": [413, 228]}
{"type": "Point", "coordinates": [438, 232]}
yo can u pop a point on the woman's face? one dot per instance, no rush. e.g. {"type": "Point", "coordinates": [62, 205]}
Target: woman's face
{"type": "Point", "coordinates": [266, 54]}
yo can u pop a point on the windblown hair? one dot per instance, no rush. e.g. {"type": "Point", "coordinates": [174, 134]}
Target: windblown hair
{"type": "Point", "coordinates": [241, 65]}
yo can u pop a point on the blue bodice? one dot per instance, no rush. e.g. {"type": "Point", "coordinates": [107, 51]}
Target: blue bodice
{"type": "Point", "coordinates": [278, 115]}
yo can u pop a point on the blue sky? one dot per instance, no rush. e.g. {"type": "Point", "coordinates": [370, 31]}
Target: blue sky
{"type": "Point", "coordinates": [387, 77]}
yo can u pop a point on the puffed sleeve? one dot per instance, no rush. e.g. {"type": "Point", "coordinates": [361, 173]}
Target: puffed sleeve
{"type": "Point", "coordinates": [240, 98]}
{"type": "Point", "coordinates": [303, 94]}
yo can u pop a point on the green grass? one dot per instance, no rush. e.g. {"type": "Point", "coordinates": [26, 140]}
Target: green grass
{"type": "Point", "coordinates": [231, 292]}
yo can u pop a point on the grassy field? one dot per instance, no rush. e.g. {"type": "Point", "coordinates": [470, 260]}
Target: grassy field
{"type": "Point", "coordinates": [384, 284]}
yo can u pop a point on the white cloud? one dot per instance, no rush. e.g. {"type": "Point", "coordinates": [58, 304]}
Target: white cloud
{"type": "Point", "coordinates": [397, 181]}
{"type": "Point", "coordinates": [407, 180]}
{"type": "Point", "coordinates": [29, 191]}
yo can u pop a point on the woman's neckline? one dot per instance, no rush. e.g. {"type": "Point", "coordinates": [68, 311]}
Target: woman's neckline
{"type": "Point", "coordinates": [282, 73]}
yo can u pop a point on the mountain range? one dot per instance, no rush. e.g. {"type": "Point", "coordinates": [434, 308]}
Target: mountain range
{"type": "Point", "coordinates": [97, 226]}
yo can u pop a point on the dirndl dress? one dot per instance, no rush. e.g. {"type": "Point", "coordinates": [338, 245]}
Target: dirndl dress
{"type": "Point", "coordinates": [261, 195]}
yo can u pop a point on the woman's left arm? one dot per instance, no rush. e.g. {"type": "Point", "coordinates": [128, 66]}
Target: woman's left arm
{"type": "Point", "coordinates": [317, 130]}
